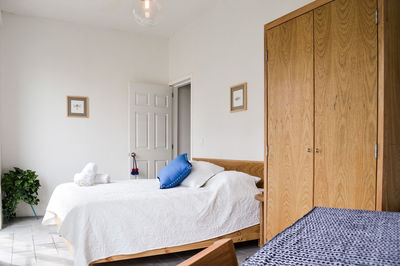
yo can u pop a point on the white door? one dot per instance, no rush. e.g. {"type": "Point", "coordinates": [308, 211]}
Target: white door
{"type": "Point", "coordinates": [150, 110]}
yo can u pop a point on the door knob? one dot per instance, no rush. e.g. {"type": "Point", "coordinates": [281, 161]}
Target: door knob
{"type": "Point", "coordinates": [308, 149]}
{"type": "Point", "coordinates": [316, 150]}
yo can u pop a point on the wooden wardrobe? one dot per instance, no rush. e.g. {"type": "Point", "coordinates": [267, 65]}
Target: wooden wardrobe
{"type": "Point", "coordinates": [332, 110]}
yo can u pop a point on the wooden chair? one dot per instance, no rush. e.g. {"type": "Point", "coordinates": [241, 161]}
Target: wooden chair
{"type": "Point", "coordinates": [221, 253]}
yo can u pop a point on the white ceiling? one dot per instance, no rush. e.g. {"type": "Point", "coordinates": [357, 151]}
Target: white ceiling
{"type": "Point", "coordinates": [114, 14]}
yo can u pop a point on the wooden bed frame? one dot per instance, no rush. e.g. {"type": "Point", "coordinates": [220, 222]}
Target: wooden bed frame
{"type": "Point", "coordinates": [255, 168]}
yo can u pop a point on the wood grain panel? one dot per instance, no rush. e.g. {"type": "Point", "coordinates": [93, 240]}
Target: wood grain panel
{"type": "Point", "coordinates": [298, 12]}
{"type": "Point", "coordinates": [222, 252]}
{"type": "Point", "coordinates": [381, 103]}
{"type": "Point", "coordinates": [388, 195]}
{"type": "Point", "coordinates": [254, 168]}
{"type": "Point", "coordinates": [290, 123]}
{"type": "Point", "coordinates": [345, 36]}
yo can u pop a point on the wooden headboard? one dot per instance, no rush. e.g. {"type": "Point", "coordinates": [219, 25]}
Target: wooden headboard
{"type": "Point", "coordinates": [254, 168]}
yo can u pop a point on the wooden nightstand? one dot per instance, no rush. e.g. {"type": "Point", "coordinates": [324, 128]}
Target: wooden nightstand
{"type": "Point", "coordinates": [260, 198]}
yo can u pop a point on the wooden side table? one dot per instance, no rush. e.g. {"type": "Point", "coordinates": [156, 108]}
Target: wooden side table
{"type": "Point", "coordinates": [260, 198]}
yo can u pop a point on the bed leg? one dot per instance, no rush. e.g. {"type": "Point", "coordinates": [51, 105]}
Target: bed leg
{"type": "Point", "coordinates": [260, 241]}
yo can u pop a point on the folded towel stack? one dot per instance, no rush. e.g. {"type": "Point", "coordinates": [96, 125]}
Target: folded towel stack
{"type": "Point", "coordinates": [89, 176]}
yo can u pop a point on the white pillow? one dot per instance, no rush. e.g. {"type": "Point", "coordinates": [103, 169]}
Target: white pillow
{"type": "Point", "coordinates": [232, 178]}
{"type": "Point", "coordinates": [201, 172]}
{"type": "Point", "coordinates": [237, 174]}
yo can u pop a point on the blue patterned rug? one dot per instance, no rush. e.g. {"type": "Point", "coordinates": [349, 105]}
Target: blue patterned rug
{"type": "Point", "coordinates": [327, 236]}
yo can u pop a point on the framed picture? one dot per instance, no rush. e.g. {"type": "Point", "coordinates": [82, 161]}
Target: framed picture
{"type": "Point", "coordinates": [239, 97]}
{"type": "Point", "coordinates": [77, 106]}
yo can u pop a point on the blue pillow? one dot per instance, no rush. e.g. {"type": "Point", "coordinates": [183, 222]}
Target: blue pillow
{"type": "Point", "coordinates": [174, 172]}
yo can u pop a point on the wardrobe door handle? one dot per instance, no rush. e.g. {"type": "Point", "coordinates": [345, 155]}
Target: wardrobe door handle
{"type": "Point", "coordinates": [316, 150]}
{"type": "Point", "coordinates": [308, 149]}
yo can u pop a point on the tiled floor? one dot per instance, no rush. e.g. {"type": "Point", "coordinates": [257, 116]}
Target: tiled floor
{"type": "Point", "coordinates": [26, 241]}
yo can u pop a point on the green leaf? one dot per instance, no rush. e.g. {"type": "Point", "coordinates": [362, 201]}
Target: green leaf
{"type": "Point", "coordinates": [18, 185]}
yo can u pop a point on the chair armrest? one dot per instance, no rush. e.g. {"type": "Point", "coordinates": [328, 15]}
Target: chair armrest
{"type": "Point", "coordinates": [222, 252]}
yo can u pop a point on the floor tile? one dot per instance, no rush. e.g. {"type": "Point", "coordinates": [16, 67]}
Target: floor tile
{"type": "Point", "coordinates": [21, 247]}
{"type": "Point", "coordinates": [50, 258]}
{"type": "Point", "coordinates": [23, 258]}
{"type": "Point", "coordinates": [169, 259]}
{"type": "Point", "coordinates": [61, 245]}
{"type": "Point", "coordinates": [241, 257]}
{"type": "Point", "coordinates": [45, 249]}
{"type": "Point", "coordinates": [42, 238]}
{"type": "Point", "coordinates": [184, 255]}
{"type": "Point", "coordinates": [57, 238]}
{"type": "Point", "coordinates": [65, 255]}
{"type": "Point", "coordinates": [5, 256]}
{"type": "Point", "coordinates": [27, 261]}
{"type": "Point", "coordinates": [6, 242]}
{"type": "Point", "coordinates": [6, 235]}
{"type": "Point", "coordinates": [21, 231]}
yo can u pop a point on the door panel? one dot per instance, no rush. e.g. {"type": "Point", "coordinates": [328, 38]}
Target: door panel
{"type": "Point", "coordinates": [142, 130]}
{"type": "Point", "coordinates": [142, 99]}
{"type": "Point", "coordinates": [150, 127]}
{"type": "Point", "coordinates": [290, 122]}
{"type": "Point", "coordinates": [160, 165]}
{"type": "Point", "coordinates": [161, 101]}
{"type": "Point", "coordinates": [345, 104]}
{"type": "Point", "coordinates": [161, 131]}
{"type": "Point", "coordinates": [143, 167]}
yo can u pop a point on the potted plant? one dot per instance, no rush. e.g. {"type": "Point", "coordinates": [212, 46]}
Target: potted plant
{"type": "Point", "coordinates": [18, 185]}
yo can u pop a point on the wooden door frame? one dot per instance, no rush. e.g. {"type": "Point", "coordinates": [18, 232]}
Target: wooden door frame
{"type": "Point", "coordinates": [382, 4]}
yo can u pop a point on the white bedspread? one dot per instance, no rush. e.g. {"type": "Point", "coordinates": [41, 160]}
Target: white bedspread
{"type": "Point", "coordinates": [127, 217]}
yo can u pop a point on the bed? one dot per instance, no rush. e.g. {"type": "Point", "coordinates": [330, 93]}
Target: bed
{"type": "Point", "coordinates": [328, 236]}
{"type": "Point", "coordinates": [148, 221]}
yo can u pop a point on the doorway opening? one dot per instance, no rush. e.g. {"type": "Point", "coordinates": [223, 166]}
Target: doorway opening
{"type": "Point", "coordinates": [182, 119]}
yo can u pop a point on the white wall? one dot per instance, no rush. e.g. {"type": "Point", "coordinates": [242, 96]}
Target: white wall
{"type": "Point", "coordinates": [222, 49]}
{"type": "Point", "coordinates": [43, 61]}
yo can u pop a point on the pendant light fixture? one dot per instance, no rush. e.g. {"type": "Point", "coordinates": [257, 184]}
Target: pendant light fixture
{"type": "Point", "coordinates": [147, 12]}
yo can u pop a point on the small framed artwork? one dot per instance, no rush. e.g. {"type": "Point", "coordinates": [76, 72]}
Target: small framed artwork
{"type": "Point", "coordinates": [239, 97]}
{"type": "Point", "coordinates": [77, 106]}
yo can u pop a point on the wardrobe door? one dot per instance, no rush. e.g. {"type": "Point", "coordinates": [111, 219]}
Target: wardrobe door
{"type": "Point", "coordinates": [345, 34]}
{"type": "Point", "coordinates": [290, 122]}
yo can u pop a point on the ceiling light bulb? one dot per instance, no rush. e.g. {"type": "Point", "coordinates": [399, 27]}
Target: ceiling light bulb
{"type": "Point", "coordinates": [146, 12]}
{"type": "Point", "coordinates": [146, 4]}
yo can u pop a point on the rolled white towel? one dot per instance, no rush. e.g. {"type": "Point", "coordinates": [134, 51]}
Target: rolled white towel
{"type": "Point", "coordinates": [82, 179]}
{"type": "Point", "coordinates": [90, 169]}
{"type": "Point", "coordinates": [102, 179]}
{"type": "Point", "coordinates": [87, 176]}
